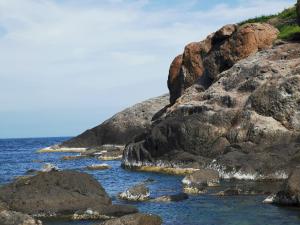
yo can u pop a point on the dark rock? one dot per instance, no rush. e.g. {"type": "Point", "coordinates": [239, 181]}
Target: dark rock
{"type": "Point", "coordinates": [122, 127]}
{"type": "Point", "coordinates": [135, 219]}
{"type": "Point", "coordinates": [136, 193]}
{"type": "Point", "coordinates": [16, 218]}
{"type": "Point", "coordinates": [230, 192]}
{"type": "Point", "coordinates": [57, 194]}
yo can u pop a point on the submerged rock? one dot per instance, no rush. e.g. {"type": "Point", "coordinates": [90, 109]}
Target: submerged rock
{"type": "Point", "coordinates": [60, 193]}
{"type": "Point", "coordinates": [122, 127]}
{"type": "Point", "coordinates": [289, 195]}
{"type": "Point", "coordinates": [102, 166]}
{"type": "Point", "coordinates": [246, 125]}
{"type": "Point", "coordinates": [136, 193]}
{"type": "Point", "coordinates": [200, 180]}
{"type": "Point", "coordinates": [135, 219]}
{"type": "Point", "coordinates": [171, 198]}
{"type": "Point", "coordinates": [230, 192]}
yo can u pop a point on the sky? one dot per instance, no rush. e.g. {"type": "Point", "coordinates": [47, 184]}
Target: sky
{"type": "Point", "coordinates": [67, 65]}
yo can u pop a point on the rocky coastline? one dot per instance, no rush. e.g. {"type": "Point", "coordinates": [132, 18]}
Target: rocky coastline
{"type": "Point", "coordinates": [232, 113]}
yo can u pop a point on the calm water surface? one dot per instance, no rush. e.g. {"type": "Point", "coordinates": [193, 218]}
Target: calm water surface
{"type": "Point", "coordinates": [19, 155]}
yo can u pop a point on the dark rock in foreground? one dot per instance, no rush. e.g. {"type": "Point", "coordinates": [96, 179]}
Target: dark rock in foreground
{"type": "Point", "coordinates": [122, 127]}
{"type": "Point", "coordinates": [135, 219]}
{"type": "Point", "coordinates": [64, 193]}
{"type": "Point", "coordinates": [290, 193]}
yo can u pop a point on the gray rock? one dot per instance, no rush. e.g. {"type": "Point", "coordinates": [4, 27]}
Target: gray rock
{"type": "Point", "coordinates": [135, 219]}
{"type": "Point", "coordinates": [136, 193]}
{"type": "Point", "coordinates": [59, 193]}
{"type": "Point", "coordinates": [200, 180]}
{"type": "Point", "coordinates": [16, 218]}
{"type": "Point", "coordinates": [122, 127]}
{"type": "Point", "coordinates": [171, 198]}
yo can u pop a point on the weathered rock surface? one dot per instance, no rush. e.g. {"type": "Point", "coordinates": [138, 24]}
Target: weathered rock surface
{"type": "Point", "coordinates": [202, 61]}
{"type": "Point", "coordinates": [200, 180]}
{"type": "Point", "coordinates": [101, 166]}
{"type": "Point", "coordinates": [60, 194]}
{"type": "Point", "coordinates": [245, 125]}
{"type": "Point", "coordinates": [135, 219]}
{"type": "Point", "coordinates": [16, 218]}
{"type": "Point", "coordinates": [122, 127]}
{"type": "Point", "coordinates": [290, 193]}
{"type": "Point", "coordinates": [138, 192]}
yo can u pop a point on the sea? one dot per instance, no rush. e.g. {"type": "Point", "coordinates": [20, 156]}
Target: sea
{"type": "Point", "coordinates": [19, 155]}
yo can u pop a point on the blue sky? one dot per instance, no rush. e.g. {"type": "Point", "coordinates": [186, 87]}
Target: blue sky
{"type": "Point", "coordinates": [67, 65]}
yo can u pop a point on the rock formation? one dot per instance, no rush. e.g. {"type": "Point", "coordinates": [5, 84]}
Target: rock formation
{"type": "Point", "coordinates": [122, 127]}
{"type": "Point", "coordinates": [136, 193]}
{"type": "Point", "coordinates": [135, 219]}
{"type": "Point", "coordinates": [202, 61]}
{"type": "Point", "coordinates": [64, 193]}
{"type": "Point", "coordinates": [16, 218]}
{"type": "Point", "coordinates": [245, 125]}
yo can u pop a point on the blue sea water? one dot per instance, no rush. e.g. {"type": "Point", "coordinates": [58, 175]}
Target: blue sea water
{"type": "Point", "coordinates": [19, 155]}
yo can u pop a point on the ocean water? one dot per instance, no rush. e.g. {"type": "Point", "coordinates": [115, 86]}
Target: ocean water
{"type": "Point", "coordinates": [19, 155]}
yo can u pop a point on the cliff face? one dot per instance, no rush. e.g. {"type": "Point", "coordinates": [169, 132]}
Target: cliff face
{"type": "Point", "coordinates": [246, 122]}
{"type": "Point", "coordinates": [122, 127]}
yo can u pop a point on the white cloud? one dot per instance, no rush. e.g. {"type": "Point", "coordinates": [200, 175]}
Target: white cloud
{"type": "Point", "coordinates": [60, 55]}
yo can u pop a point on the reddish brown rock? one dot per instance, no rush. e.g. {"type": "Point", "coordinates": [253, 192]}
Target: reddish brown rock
{"type": "Point", "coordinates": [202, 61]}
{"type": "Point", "coordinates": [174, 82]}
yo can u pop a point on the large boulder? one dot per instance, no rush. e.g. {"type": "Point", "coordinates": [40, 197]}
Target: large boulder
{"type": "Point", "coordinates": [58, 194]}
{"type": "Point", "coordinates": [202, 61]}
{"type": "Point", "coordinates": [290, 193]}
{"type": "Point", "coordinates": [135, 219]}
{"type": "Point", "coordinates": [122, 127]}
{"type": "Point", "coordinates": [17, 218]}
{"type": "Point", "coordinates": [245, 125]}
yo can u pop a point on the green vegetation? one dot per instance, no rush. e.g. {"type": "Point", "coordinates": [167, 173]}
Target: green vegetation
{"type": "Point", "coordinates": [285, 22]}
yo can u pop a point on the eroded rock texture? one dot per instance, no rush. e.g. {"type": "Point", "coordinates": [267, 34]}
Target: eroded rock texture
{"type": "Point", "coordinates": [246, 124]}
{"type": "Point", "coordinates": [202, 61]}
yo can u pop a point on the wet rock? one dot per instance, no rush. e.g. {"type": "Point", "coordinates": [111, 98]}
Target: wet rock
{"type": "Point", "coordinates": [16, 218]}
{"type": "Point", "coordinates": [230, 192]}
{"type": "Point", "coordinates": [135, 219]}
{"type": "Point", "coordinates": [136, 193]}
{"type": "Point", "coordinates": [59, 193]}
{"type": "Point", "coordinates": [200, 180]}
{"type": "Point", "coordinates": [290, 192]}
{"type": "Point", "coordinates": [102, 166]}
{"type": "Point", "coordinates": [171, 198]}
{"type": "Point", "coordinates": [122, 127]}
{"type": "Point", "coordinates": [48, 167]}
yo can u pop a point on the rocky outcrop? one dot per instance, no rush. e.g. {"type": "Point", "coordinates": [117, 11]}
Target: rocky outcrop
{"type": "Point", "coordinates": [122, 127]}
{"type": "Point", "coordinates": [171, 198]}
{"type": "Point", "coordinates": [290, 193]}
{"type": "Point", "coordinates": [203, 61]}
{"type": "Point", "coordinates": [65, 193]}
{"type": "Point", "coordinates": [136, 193]}
{"type": "Point", "coordinates": [245, 125]}
{"type": "Point", "coordinates": [135, 219]}
{"type": "Point", "coordinates": [16, 218]}
{"type": "Point", "coordinates": [200, 180]}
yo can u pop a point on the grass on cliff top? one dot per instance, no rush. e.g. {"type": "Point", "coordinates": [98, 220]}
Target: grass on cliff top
{"type": "Point", "coordinates": [284, 21]}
